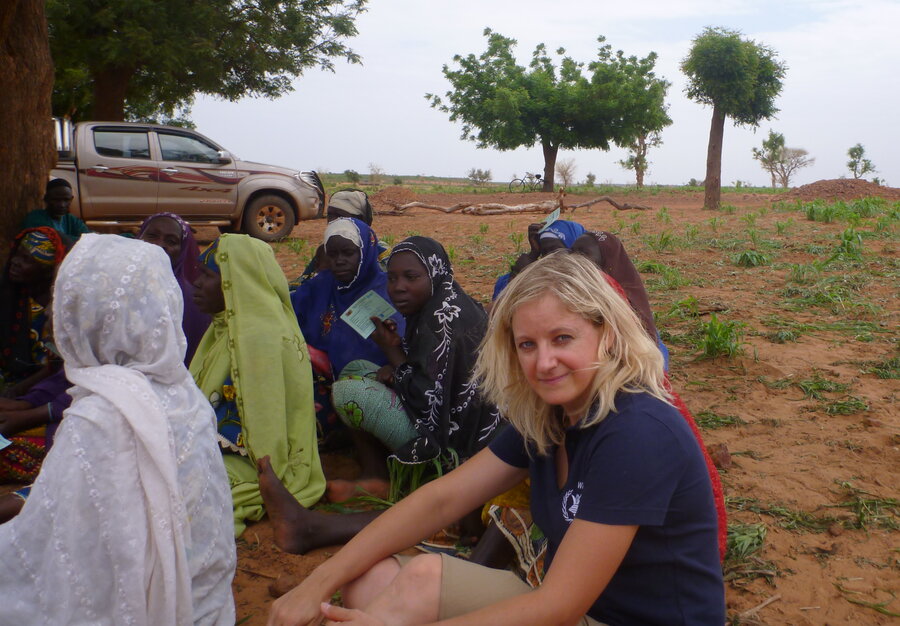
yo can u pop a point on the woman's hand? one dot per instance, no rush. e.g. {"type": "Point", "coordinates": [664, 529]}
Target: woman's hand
{"type": "Point", "coordinates": [301, 606]}
{"type": "Point", "coordinates": [338, 615]}
{"type": "Point", "coordinates": [385, 334]}
{"type": "Point", "coordinates": [385, 375]}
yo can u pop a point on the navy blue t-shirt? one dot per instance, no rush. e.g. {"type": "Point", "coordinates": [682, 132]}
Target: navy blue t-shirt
{"type": "Point", "coordinates": [640, 466]}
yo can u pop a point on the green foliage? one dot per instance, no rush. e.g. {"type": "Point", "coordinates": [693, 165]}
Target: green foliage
{"type": "Point", "coordinates": [590, 179]}
{"type": "Point", "coordinates": [721, 338]}
{"type": "Point", "coordinates": [661, 242]}
{"type": "Point", "coordinates": [397, 181]}
{"type": "Point", "coordinates": [710, 420]}
{"type": "Point", "coordinates": [140, 59]}
{"type": "Point", "coordinates": [740, 78]}
{"type": "Point", "coordinates": [749, 219]}
{"type": "Point", "coordinates": [751, 258]}
{"type": "Point", "coordinates": [504, 105]}
{"type": "Point", "coordinates": [782, 227]}
{"type": "Point", "coordinates": [713, 224]}
{"type": "Point", "coordinates": [887, 369]}
{"type": "Point", "coordinates": [846, 406]}
{"type": "Point", "coordinates": [662, 216]}
{"type": "Point", "coordinates": [858, 164]}
{"type": "Point", "coordinates": [850, 246]}
{"type": "Point", "coordinates": [352, 176]}
{"type": "Point", "coordinates": [483, 228]}
{"type": "Point", "coordinates": [688, 307]}
{"type": "Point", "coordinates": [518, 239]}
{"type": "Point", "coordinates": [744, 540]}
{"type": "Point", "coordinates": [815, 387]}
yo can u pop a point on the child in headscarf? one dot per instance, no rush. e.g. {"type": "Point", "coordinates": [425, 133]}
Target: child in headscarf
{"type": "Point", "coordinates": [253, 367]}
{"type": "Point", "coordinates": [352, 203]}
{"type": "Point", "coordinates": [175, 236]}
{"type": "Point", "coordinates": [319, 303]}
{"type": "Point", "coordinates": [128, 521]}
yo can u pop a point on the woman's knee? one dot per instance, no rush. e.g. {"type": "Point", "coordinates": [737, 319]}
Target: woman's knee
{"type": "Point", "coordinates": [420, 573]}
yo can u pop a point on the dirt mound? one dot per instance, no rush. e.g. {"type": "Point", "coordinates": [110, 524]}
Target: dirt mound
{"type": "Point", "coordinates": [840, 189]}
{"type": "Point", "coordinates": [389, 197]}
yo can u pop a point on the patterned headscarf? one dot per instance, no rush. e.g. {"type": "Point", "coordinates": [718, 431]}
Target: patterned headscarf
{"type": "Point", "coordinates": [208, 257]}
{"type": "Point", "coordinates": [41, 246]}
{"type": "Point", "coordinates": [434, 382]}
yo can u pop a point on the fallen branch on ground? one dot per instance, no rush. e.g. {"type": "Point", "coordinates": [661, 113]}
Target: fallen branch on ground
{"type": "Point", "coordinates": [494, 208]}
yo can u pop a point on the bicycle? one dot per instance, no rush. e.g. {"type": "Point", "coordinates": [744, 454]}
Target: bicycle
{"type": "Point", "coordinates": [529, 182]}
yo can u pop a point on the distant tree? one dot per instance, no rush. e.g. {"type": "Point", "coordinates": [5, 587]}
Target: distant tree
{"type": "Point", "coordinates": [132, 58]}
{"type": "Point", "coordinates": [740, 79]}
{"type": "Point", "coordinates": [479, 176]}
{"type": "Point", "coordinates": [770, 154]}
{"type": "Point", "coordinates": [792, 160]}
{"type": "Point", "coordinates": [397, 180]}
{"type": "Point", "coordinates": [590, 179]}
{"type": "Point", "coordinates": [637, 155]}
{"type": "Point", "coordinates": [859, 165]}
{"type": "Point", "coordinates": [352, 176]}
{"type": "Point", "coordinates": [504, 105]}
{"type": "Point", "coordinates": [26, 151]}
{"type": "Point", "coordinates": [781, 162]}
{"type": "Point", "coordinates": [565, 169]}
{"type": "Point", "coordinates": [376, 173]}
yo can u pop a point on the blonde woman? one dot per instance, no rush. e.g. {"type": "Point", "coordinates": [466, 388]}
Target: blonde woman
{"type": "Point", "coordinates": [618, 482]}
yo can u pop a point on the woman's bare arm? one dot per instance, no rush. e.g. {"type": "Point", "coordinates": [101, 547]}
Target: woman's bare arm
{"type": "Point", "coordinates": [427, 510]}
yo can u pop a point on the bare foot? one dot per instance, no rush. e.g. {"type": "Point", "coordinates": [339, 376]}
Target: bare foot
{"type": "Point", "coordinates": [343, 490]}
{"type": "Point", "coordinates": [293, 523]}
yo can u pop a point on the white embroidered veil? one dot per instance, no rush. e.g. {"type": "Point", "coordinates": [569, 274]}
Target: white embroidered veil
{"type": "Point", "coordinates": [129, 521]}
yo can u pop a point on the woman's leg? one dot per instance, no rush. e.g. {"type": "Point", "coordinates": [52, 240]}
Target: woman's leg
{"type": "Point", "coordinates": [407, 595]}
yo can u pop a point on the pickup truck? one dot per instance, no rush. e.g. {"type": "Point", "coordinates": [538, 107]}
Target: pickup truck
{"type": "Point", "coordinates": [122, 172]}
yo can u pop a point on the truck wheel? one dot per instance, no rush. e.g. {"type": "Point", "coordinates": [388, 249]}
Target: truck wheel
{"type": "Point", "coordinates": [269, 218]}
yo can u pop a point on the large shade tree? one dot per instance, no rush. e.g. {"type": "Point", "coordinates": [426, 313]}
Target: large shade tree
{"type": "Point", "coordinates": [26, 150]}
{"type": "Point", "coordinates": [740, 79]}
{"type": "Point", "coordinates": [147, 58]}
{"type": "Point", "coordinates": [557, 104]}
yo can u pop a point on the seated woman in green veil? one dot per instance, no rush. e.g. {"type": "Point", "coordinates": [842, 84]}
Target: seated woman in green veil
{"type": "Point", "coordinates": [253, 366]}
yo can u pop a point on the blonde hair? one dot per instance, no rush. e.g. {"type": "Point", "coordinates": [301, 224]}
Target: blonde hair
{"type": "Point", "coordinates": [627, 361]}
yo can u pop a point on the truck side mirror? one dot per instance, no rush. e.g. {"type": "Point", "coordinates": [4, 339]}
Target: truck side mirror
{"type": "Point", "coordinates": [224, 157]}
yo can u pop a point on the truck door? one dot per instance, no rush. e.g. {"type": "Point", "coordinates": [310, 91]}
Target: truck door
{"type": "Point", "coordinates": [194, 180]}
{"type": "Point", "coordinates": [118, 177]}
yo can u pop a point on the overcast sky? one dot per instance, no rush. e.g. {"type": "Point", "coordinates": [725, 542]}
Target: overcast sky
{"type": "Point", "coordinates": [841, 88]}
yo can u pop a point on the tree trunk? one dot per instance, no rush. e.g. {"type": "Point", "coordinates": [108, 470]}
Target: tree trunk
{"type": "Point", "coordinates": [110, 88]}
{"type": "Point", "coordinates": [26, 152]}
{"type": "Point", "coordinates": [549, 165]}
{"type": "Point", "coordinates": [713, 180]}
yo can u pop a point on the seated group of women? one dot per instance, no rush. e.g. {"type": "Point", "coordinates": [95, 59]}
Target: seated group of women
{"type": "Point", "coordinates": [576, 370]}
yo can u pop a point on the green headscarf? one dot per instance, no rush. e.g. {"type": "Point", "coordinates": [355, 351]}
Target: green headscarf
{"type": "Point", "coordinates": [257, 341]}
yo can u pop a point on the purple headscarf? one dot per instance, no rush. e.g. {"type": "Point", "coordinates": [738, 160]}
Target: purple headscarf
{"type": "Point", "coordinates": [186, 269]}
